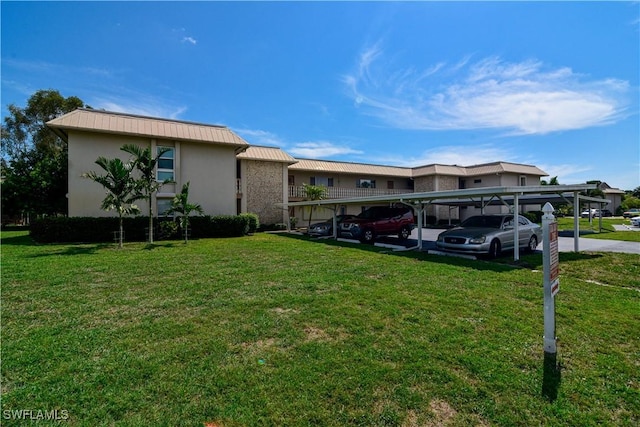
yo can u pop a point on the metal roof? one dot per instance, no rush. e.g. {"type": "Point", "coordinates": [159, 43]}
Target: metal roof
{"type": "Point", "coordinates": [476, 170]}
{"type": "Point", "coordinates": [447, 196]}
{"type": "Point", "coordinates": [90, 120]}
{"type": "Point", "coordinates": [405, 172]}
{"type": "Point", "coordinates": [269, 154]}
{"type": "Point", "coordinates": [349, 168]}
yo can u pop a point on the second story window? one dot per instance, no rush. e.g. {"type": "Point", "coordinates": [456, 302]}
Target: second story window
{"type": "Point", "coordinates": [366, 183]}
{"type": "Point", "coordinates": [166, 165]}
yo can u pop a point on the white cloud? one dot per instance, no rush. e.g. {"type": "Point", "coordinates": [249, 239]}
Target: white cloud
{"type": "Point", "coordinates": [189, 40]}
{"type": "Point", "coordinates": [456, 155]}
{"type": "Point", "coordinates": [520, 98]}
{"type": "Point", "coordinates": [320, 149]}
{"type": "Point", "coordinates": [140, 105]}
{"type": "Point", "coordinates": [261, 137]}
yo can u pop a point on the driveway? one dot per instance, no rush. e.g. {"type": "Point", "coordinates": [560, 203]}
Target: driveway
{"type": "Point", "coordinates": [565, 244]}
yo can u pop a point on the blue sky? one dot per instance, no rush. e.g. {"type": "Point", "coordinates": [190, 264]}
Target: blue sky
{"type": "Point", "coordinates": [555, 84]}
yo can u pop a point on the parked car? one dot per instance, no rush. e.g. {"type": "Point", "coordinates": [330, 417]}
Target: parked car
{"type": "Point", "coordinates": [635, 221]}
{"type": "Point", "coordinates": [489, 235]}
{"type": "Point", "coordinates": [606, 213]}
{"type": "Point", "coordinates": [379, 221]}
{"type": "Point", "coordinates": [631, 213]}
{"type": "Point", "coordinates": [590, 213]}
{"type": "Point", "coordinates": [326, 228]}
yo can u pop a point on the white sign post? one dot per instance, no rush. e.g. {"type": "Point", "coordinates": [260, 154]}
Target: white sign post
{"type": "Point", "coordinates": [551, 280]}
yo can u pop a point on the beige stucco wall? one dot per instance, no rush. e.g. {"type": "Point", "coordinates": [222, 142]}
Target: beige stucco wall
{"type": "Point", "coordinates": [209, 168]}
{"type": "Point", "coordinates": [211, 171]}
{"type": "Point", "coordinates": [263, 185]}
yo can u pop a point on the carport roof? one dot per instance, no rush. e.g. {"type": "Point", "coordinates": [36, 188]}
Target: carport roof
{"type": "Point", "coordinates": [469, 196]}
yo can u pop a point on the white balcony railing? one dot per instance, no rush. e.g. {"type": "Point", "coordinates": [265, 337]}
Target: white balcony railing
{"type": "Point", "coordinates": [298, 192]}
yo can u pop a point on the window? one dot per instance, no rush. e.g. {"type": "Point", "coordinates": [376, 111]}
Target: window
{"type": "Point", "coordinates": [477, 181]}
{"type": "Point", "coordinates": [523, 181]}
{"type": "Point", "coordinates": [462, 183]}
{"type": "Point", "coordinates": [292, 180]}
{"type": "Point", "coordinates": [163, 206]}
{"type": "Point", "coordinates": [321, 181]}
{"type": "Point", "coordinates": [166, 164]}
{"type": "Point", "coordinates": [366, 183]}
{"type": "Point", "coordinates": [390, 185]}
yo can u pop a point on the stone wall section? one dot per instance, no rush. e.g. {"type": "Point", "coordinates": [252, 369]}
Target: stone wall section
{"type": "Point", "coordinates": [264, 188]}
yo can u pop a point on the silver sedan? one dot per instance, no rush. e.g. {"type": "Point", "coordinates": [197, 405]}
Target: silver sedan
{"type": "Point", "coordinates": [489, 235]}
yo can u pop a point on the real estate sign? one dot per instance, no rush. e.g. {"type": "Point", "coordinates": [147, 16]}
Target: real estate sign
{"type": "Point", "coordinates": [550, 261]}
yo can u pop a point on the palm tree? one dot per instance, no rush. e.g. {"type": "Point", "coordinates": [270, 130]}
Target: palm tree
{"type": "Point", "coordinates": [122, 190]}
{"type": "Point", "coordinates": [146, 164]}
{"type": "Point", "coordinates": [313, 192]}
{"type": "Point", "coordinates": [180, 204]}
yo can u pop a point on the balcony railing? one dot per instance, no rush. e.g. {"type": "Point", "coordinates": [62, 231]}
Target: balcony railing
{"type": "Point", "coordinates": [298, 192]}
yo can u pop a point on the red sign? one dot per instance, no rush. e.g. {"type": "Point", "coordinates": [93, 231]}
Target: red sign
{"type": "Point", "coordinates": [553, 249]}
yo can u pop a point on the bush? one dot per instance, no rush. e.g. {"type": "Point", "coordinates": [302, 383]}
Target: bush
{"type": "Point", "coordinates": [273, 227]}
{"type": "Point", "coordinates": [86, 229]}
{"type": "Point", "coordinates": [167, 230]}
{"type": "Point", "coordinates": [534, 216]}
{"type": "Point", "coordinates": [101, 230]}
{"type": "Point", "coordinates": [254, 222]}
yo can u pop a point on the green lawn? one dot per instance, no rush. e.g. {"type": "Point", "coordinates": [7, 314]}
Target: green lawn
{"type": "Point", "coordinates": [592, 229]}
{"type": "Point", "coordinates": [275, 330]}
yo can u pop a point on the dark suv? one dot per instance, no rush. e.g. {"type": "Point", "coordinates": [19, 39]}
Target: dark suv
{"type": "Point", "coordinates": [379, 221]}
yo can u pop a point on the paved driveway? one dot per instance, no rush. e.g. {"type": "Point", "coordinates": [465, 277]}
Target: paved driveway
{"type": "Point", "coordinates": [565, 244]}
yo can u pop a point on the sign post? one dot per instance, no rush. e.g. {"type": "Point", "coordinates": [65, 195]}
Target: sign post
{"type": "Point", "coordinates": [551, 370]}
{"type": "Point", "coordinates": [551, 280]}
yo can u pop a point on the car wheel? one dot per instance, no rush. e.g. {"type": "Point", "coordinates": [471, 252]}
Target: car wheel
{"type": "Point", "coordinates": [368, 236]}
{"type": "Point", "coordinates": [533, 244]}
{"type": "Point", "coordinates": [404, 234]}
{"type": "Point", "coordinates": [495, 249]}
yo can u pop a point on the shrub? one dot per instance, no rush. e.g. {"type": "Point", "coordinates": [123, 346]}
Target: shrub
{"type": "Point", "coordinates": [534, 216]}
{"type": "Point", "coordinates": [167, 230]}
{"type": "Point", "coordinates": [100, 230]}
{"type": "Point", "coordinates": [86, 229]}
{"type": "Point", "coordinates": [254, 222]}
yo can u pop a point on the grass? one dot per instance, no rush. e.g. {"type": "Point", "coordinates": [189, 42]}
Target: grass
{"type": "Point", "coordinates": [608, 232]}
{"type": "Point", "coordinates": [274, 330]}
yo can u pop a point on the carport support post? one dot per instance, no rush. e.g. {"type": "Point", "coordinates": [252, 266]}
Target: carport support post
{"type": "Point", "coordinates": [419, 211]}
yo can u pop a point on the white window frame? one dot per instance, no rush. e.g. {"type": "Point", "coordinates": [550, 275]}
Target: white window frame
{"type": "Point", "coordinates": [160, 170]}
{"type": "Point", "coordinates": [158, 204]}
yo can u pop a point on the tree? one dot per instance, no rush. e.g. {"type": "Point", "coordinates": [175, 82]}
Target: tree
{"type": "Point", "coordinates": [180, 204]}
{"type": "Point", "coordinates": [146, 163]}
{"type": "Point", "coordinates": [314, 192]}
{"type": "Point", "coordinates": [122, 189]}
{"type": "Point", "coordinates": [35, 169]}
{"type": "Point", "coordinates": [552, 181]}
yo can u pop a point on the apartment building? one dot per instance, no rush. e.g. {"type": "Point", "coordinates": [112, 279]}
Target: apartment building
{"type": "Point", "coordinates": [229, 176]}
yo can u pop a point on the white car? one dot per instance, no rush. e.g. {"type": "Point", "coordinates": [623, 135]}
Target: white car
{"type": "Point", "coordinates": [635, 221]}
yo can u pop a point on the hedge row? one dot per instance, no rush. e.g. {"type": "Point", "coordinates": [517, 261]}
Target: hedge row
{"type": "Point", "coordinates": [101, 230]}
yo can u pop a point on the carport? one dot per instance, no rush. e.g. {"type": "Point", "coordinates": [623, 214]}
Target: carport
{"type": "Point", "coordinates": [512, 197]}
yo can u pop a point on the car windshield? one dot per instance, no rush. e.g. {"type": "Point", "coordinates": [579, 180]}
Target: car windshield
{"type": "Point", "coordinates": [372, 213]}
{"type": "Point", "coordinates": [483, 221]}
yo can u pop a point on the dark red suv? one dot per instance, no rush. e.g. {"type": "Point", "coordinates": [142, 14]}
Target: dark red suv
{"type": "Point", "coordinates": [379, 221]}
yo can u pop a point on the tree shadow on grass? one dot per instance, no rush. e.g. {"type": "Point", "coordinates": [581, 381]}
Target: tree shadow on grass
{"type": "Point", "coordinates": [22, 240]}
{"type": "Point", "coordinates": [90, 249]}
